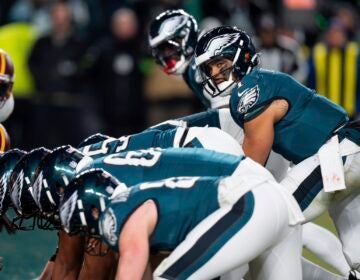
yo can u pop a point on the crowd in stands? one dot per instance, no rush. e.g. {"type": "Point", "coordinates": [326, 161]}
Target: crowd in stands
{"type": "Point", "coordinates": [83, 66]}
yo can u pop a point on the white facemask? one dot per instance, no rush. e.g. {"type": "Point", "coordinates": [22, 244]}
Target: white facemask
{"type": "Point", "coordinates": [223, 89]}
{"type": "Point", "coordinates": [7, 108]}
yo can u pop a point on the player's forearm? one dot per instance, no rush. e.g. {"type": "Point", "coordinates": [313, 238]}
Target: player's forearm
{"type": "Point", "coordinates": [47, 272]}
{"type": "Point", "coordinates": [62, 271]}
{"type": "Point", "coordinates": [65, 268]}
{"type": "Point", "coordinates": [98, 267]}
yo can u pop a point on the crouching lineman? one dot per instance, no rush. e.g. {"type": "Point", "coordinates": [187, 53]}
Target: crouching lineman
{"type": "Point", "coordinates": [7, 162]}
{"type": "Point", "coordinates": [209, 220]}
{"type": "Point", "coordinates": [59, 167]}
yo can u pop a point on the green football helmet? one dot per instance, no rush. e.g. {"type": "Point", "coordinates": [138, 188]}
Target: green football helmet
{"type": "Point", "coordinates": [53, 174]}
{"type": "Point", "coordinates": [8, 161]}
{"type": "Point", "coordinates": [20, 188]}
{"type": "Point", "coordinates": [230, 43]}
{"type": "Point", "coordinates": [84, 200]}
{"type": "Point", "coordinates": [172, 39]}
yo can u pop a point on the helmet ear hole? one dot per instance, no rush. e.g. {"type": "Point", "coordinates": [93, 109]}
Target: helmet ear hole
{"type": "Point", "coordinates": [247, 57]}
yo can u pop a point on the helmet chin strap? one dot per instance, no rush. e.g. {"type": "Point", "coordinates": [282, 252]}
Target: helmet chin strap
{"type": "Point", "coordinates": [253, 63]}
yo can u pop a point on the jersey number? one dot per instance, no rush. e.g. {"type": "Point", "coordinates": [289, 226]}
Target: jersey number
{"type": "Point", "coordinates": [144, 158]}
{"type": "Point", "coordinates": [106, 147]}
{"type": "Point", "coordinates": [172, 183]}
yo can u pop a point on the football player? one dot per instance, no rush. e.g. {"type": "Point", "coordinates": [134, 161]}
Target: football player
{"type": "Point", "coordinates": [20, 188]}
{"type": "Point", "coordinates": [7, 77]}
{"type": "Point", "coordinates": [309, 130]}
{"type": "Point", "coordinates": [8, 161]}
{"type": "Point", "coordinates": [146, 165]}
{"type": "Point", "coordinates": [219, 215]}
{"type": "Point", "coordinates": [172, 39]}
{"type": "Point", "coordinates": [210, 138]}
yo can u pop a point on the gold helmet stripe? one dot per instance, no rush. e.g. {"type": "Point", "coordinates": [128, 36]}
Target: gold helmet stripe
{"type": "Point", "coordinates": [2, 63]}
{"type": "Point", "coordinates": [2, 139]}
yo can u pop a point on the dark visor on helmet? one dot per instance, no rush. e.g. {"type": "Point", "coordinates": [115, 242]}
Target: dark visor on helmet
{"type": "Point", "coordinates": [167, 51]}
{"type": "Point", "coordinates": [4, 89]}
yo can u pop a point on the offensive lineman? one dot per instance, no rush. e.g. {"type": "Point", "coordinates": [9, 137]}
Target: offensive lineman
{"type": "Point", "coordinates": [177, 137]}
{"type": "Point", "coordinates": [227, 211]}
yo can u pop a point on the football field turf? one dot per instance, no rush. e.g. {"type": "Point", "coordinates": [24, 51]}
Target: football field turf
{"type": "Point", "coordinates": [26, 253]}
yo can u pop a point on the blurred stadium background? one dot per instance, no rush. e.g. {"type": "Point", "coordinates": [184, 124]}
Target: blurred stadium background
{"type": "Point", "coordinates": [83, 66]}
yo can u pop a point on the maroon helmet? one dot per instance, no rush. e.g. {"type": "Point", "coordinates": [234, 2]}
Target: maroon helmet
{"type": "Point", "coordinates": [6, 73]}
{"type": "Point", "coordinates": [6, 84]}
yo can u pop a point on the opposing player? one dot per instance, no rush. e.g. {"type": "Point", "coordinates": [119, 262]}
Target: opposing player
{"type": "Point", "coordinates": [6, 96]}
{"type": "Point", "coordinates": [7, 78]}
{"type": "Point", "coordinates": [278, 113]}
{"type": "Point", "coordinates": [220, 215]}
